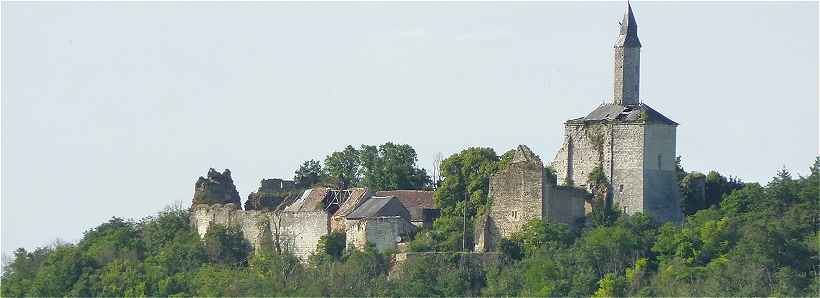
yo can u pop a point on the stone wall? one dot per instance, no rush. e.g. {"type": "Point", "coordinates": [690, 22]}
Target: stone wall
{"type": "Point", "coordinates": [585, 147]}
{"type": "Point", "coordinates": [298, 232]}
{"type": "Point", "coordinates": [626, 175]}
{"type": "Point", "coordinates": [383, 232]}
{"type": "Point", "coordinates": [517, 193]}
{"type": "Point", "coordinates": [618, 148]}
{"type": "Point", "coordinates": [564, 204]}
{"type": "Point", "coordinates": [661, 188]}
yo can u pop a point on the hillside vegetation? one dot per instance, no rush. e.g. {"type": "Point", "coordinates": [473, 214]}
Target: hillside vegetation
{"type": "Point", "coordinates": [745, 239]}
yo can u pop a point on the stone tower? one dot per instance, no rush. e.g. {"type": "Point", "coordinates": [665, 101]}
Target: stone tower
{"type": "Point", "coordinates": [627, 61]}
{"type": "Point", "coordinates": [632, 143]}
{"type": "Point", "coordinates": [520, 192]}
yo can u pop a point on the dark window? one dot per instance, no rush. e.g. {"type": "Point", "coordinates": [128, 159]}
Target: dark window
{"type": "Point", "coordinates": [660, 157]}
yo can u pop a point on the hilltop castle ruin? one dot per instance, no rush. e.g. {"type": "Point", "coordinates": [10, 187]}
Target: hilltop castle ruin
{"type": "Point", "coordinates": [627, 143]}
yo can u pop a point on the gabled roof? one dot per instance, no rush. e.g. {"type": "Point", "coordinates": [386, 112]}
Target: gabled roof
{"type": "Point", "coordinates": [380, 207]}
{"type": "Point", "coordinates": [357, 197]}
{"type": "Point", "coordinates": [620, 113]}
{"type": "Point", "coordinates": [311, 200]}
{"type": "Point", "coordinates": [411, 198]}
{"type": "Point", "coordinates": [524, 154]}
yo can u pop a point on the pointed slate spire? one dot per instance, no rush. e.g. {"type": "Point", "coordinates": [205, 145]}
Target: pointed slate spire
{"type": "Point", "coordinates": [627, 62]}
{"type": "Point", "coordinates": [628, 37]}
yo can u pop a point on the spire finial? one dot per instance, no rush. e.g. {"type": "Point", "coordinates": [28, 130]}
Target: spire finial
{"type": "Point", "coordinates": [628, 37]}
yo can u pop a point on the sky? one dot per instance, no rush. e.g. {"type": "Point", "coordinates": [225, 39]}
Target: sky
{"type": "Point", "coordinates": [115, 109]}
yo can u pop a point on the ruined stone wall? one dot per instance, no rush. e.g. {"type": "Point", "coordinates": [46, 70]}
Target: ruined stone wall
{"type": "Point", "coordinates": [661, 187]}
{"type": "Point", "coordinates": [585, 147]}
{"type": "Point", "coordinates": [298, 232]}
{"type": "Point", "coordinates": [301, 230]}
{"type": "Point", "coordinates": [618, 148]}
{"type": "Point", "coordinates": [516, 193]}
{"type": "Point", "coordinates": [383, 232]}
{"type": "Point", "coordinates": [564, 204]}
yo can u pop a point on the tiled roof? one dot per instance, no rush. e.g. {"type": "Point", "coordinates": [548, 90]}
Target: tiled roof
{"type": "Point", "coordinates": [411, 198]}
{"type": "Point", "coordinates": [379, 207]}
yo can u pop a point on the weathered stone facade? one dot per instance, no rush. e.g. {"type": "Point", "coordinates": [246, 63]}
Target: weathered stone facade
{"type": "Point", "coordinates": [517, 192]}
{"type": "Point", "coordinates": [297, 223]}
{"type": "Point", "coordinates": [297, 232]}
{"type": "Point", "coordinates": [383, 232]}
{"type": "Point", "coordinates": [521, 192]}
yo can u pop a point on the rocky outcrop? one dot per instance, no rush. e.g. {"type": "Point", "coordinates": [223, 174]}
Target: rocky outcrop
{"type": "Point", "coordinates": [217, 188]}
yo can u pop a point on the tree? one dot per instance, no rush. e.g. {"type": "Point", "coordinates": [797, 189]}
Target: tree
{"type": "Point", "coordinates": [226, 245]}
{"type": "Point", "coordinates": [537, 233]}
{"type": "Point", "coordinates": [693, 193]}
{"type": "Point", "coordinates": [718, 186]}
{"type": "Point", "coordinates": [331, 245]}
{"type": "Point", "coordinates": [343, 167]}
{"type": "Point", "coordinates": [390, 167]}
{"type": "Point", "coordinates": [308, 174]}
{"type": "Point", "coordinates": [466, 175]}
{"type": "Point", "coordinates": [611, 286]}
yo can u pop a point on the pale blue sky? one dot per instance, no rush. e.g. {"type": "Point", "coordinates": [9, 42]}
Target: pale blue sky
{"type": "Point", "coordinates": [115, 109]}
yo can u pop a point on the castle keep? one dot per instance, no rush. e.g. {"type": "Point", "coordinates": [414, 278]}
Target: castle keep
{"type": "Point", "coordinates": [632, 143]}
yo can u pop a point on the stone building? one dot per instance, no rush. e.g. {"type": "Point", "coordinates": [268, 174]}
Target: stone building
{"type": "Point", "coordinates": [296, 224]}
{"type": "Point", "coordinates": [381, 221]}
{"type": "Point", "coordinates": [420, 203]}
{"type": "Point", "coordinates": [523, 191]}
{"type": "Point", "coordinates": [632, 143]}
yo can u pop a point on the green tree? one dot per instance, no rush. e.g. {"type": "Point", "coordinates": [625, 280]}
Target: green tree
{"type": "Point", "coordinates": [611, 286]}
{"type": "Point", "coordinates": [693, 197]}
{"type": "Point", "coordinates": [390, 167]}
{"type": "Point", "coordinates": [226, 245]}
{"type": "Point", "coordinates": [343, 167]}
{"type": "Point", "coordinates": [537, 233]}
{"type": "Point", "coordinates": [466, 175]}
{"type": "Point", "coordinates": [309, 174]}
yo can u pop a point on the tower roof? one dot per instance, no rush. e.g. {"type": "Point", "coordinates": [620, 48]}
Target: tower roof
{"type": "Point", "coordinates": [621, 113]}
{"type": "Point", "coordinates": [524, 154]}
{"type": "Point", "coordinates": [628, 37]}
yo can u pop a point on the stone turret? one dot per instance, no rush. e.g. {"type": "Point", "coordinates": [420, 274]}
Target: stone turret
{"type": "Point", "coordinates": [627, 61]}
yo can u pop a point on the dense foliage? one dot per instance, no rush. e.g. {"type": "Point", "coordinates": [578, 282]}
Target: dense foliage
{"type": "Point", "coordinates": [385, 167]}
{"type": "Point", "coordinates": [749, 240]}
